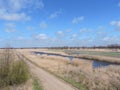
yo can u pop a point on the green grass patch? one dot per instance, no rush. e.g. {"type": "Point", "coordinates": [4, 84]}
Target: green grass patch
{"type": "Point", "coordinates": [19, 73]}
{"type": "Point", "coordinates": [74, 83]}
{"type": "Point", "coordinates": [36, 85]}
{"type": "Point", "coordinates": [14, 74]}
{"type": "Point", "coordinates": [80, 52]}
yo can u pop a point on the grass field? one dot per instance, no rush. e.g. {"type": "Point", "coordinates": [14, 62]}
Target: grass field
{"type": "Point", "coordinates": [101, 53]}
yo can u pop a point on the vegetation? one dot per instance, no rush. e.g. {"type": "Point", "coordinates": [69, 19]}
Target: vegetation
{"type": "Point", "coordinates": [36, 85]}
{"type": "Point", "coordinates": [80, 73]}
{"type": "Point", "coordinates": [102, 53]}
{"type": "Point", "coordinates": [98, 79]}
{"type": "Point", "coordinates": [74, 83]}
{"type": "Point", "coordinates": [63, 76]}
{"type": "Point", "coordinates": [13, 70]}
{"type": "Point", "coordinates": [112, 57]}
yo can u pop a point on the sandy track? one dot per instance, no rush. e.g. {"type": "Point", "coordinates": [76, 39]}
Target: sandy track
{"type": "Point", "coordinates": [48, 81]}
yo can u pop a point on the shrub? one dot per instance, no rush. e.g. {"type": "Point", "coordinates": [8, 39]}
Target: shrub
{"type": "Point", "coordinates": [12, 72]}
{"type": "Point", "coordinates": [19, 73]}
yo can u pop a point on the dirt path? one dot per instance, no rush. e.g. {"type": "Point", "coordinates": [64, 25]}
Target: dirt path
{"type": "Point", "coordinates": [48, 81]}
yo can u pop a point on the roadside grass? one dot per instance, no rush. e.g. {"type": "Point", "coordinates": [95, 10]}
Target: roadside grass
{"type": "Point", "coordinates": [74, 83]}
{"type": "Point", "coordinates": [12, 71]}
{"type": "Point", "coordinates": [19, 73]}
{"type": "Point", "coordinates": [36, 85]}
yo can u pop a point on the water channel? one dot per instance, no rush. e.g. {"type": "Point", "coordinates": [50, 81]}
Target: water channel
{"type": "Point", "coordinates": [95, 63]}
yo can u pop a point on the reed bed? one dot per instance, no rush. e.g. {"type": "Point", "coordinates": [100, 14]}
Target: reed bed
{"type": "Point", "coordinates": [80, 72]}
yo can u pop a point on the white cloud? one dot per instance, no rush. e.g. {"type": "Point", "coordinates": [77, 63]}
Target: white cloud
{"type": "Point", "coordinates": [43, 24]}
{"type": "Point", "coordinates": [20, 38]}
{"type": "Point", "coordinates": [116, 24]}
{"type": "Point", "coordinates": [77, 19]}
{"type": "Point", "coordinates": [17, 5]}
{"type": "Point", "coordinates": [12, 10]}
{"type": "Point", "coordinates": [74, 37]}
{"type": "Point", "coordinates": [60, 33]}
{"type": "Point", "coordinates": [111, 40]}
{"type": "Point", "coordinates": [30, 28]}
{"type": "Point", "coordinates": [82, 30]}
{"type": "Point", "coordinates": [10, 27]}
{"type": "Point", "coordinates": [41, 37]}
{"type": "Point", "coordinates": [38, 4]}
{"type": "Point", "coordinates": [14, 16]}
{"type": "Point", "coordinates": [86, 30]}
{"type": "Point", "coordinates": [106, 39]}
{"type": "Point", "coordinates": [55, 14]}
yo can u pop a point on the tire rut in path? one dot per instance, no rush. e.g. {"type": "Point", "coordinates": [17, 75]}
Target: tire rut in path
{"type": "Point", "coordinates": [49, 81]}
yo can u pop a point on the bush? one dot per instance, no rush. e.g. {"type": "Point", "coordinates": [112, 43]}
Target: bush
{"type": "Point", "coordinates": [12, 72]}
{"type": "Point", "coordinates": [19, 73]}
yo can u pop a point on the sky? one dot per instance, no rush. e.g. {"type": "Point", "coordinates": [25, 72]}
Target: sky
{"type": "Point", "coordinates": [56, 23]}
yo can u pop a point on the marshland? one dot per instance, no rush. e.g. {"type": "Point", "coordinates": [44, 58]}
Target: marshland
{"type": "Point", "coordinates": [18, 68]}
{"type": "Point", "coordinates": [59, 44]}
{"type": "Point", "coordinates": [79, 72]}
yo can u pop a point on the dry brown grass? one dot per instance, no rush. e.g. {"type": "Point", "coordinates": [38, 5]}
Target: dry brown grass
{"type": "Point", "coordinates": [106, 78]}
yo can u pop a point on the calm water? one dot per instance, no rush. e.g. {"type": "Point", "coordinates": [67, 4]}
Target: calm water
{"type": "Point", "coordinates": [95, 63]}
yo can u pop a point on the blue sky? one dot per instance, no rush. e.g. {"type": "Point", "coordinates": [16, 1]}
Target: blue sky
{"type": "Point", "coordinates": [41, 23]}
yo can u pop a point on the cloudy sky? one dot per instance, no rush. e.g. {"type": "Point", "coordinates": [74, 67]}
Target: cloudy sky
{"type": "Point", "coordinates": [41, 23]}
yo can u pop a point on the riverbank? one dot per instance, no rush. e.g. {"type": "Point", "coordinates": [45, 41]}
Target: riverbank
{"type": "Point", "coordinates": [110, 59]}
{"type": "Point", "coordinates": [105, 78]}
{"type": "Point", "coordinates": [99, 58]}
